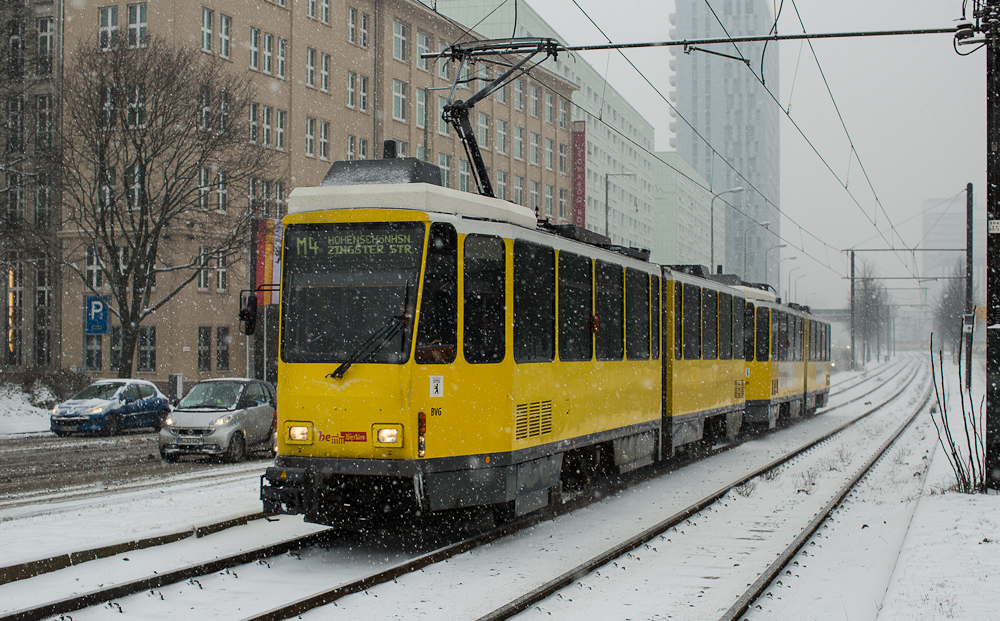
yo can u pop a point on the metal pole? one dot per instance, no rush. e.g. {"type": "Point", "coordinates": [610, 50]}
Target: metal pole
{"type": "Point", "coordinates": [968, 285]}
{"type": "Point", "coordinates": [992, 246]}
{"type": "Point", "coordinates": [607, 208]}
{"type": "Point", "coordinates": [853, 359]}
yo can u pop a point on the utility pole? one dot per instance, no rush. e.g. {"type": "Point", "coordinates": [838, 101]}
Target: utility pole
{"type": "Point", "coordinates": [990, 29]}
{"type": "Point", "coordinates": [852, 311]}
{"type": "Point", "coordinates": [968, 286]}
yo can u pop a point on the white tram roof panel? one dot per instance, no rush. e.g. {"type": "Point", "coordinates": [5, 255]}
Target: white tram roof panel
{"type": "Point", "coordinates": [416, 196]}
{"type": "Point", "coordinates": [752, 293]}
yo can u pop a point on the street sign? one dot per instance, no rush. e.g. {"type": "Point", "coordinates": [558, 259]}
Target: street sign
{"type": "Point", "coordinates": [968, 321]}
{"type": "Point", "coordinates": [95, 312]}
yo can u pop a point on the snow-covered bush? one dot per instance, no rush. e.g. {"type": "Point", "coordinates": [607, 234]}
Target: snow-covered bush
{"type": "Point", "coordinates": [963, 440]}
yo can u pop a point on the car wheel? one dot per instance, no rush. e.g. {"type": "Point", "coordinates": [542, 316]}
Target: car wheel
{"type": "Point", "coordinates": [168, 457]}
{"type": "Point", "coordinates": [112, 426]}
{"type": "Point", "coordinates": [237, 448]}
{"type": "Point", "coordinates": [61, 434]}
{"type": "Point", "coordinates": [160, 417]}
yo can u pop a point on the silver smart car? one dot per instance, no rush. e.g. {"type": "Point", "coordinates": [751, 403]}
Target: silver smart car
{"type": "Point", "coordinates": [226, 417]}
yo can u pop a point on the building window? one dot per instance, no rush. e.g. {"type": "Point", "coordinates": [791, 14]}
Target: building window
{"type": "Point", "coordinates": [519, 190]}
{"type": "Point", "coordinates": [533, 102]}
{"type": "Point", "coordinates": [204, 187]}
{"type": "Point", "coordinates": [518, 95]}
{"type": "Point", "coordinates": [15, 307]}
{"type": "Point", "coordinates": [518, 142]}
{"type": "Point", "coordinates": [202, 268]}
{"type": "Point", "coordinates": [93, 356]}
{"type": "Point", "coordinates": [463, 176]}
{"type": "Point", "coordinates": [324, 11]}
{"type": "Point", "coordinates": [15, 125]}
{"type": "Point", "coordinates": [352, 79]}
{"type": "Point", "coordinates": [444, 63]}
{"type": "Point", "coordinates": [364, 30]}
{"type": "Point", "coordinates": [563, 201]}
{"type": "Point", "coordinates": [324, 73]}
{"type": "Point", "coordinates": [204, 349]}
{"type": "Point", "coordinates": [134, 181]}
{"type": "Point", "coordinates": [399, 41]}
{"type": "Point", "coordinates": [362, 149]}
{"type": "Point", "coordinates": [220, 192]}
{"type": "Point", "coordinates": [106, 191]}
{"type": "Point", "coordinates": [15, 200]}
{"type": "Point", "coordinates": [43, 202]}
{"type": "Point", "coordinates": [324, 140]}
{"type": "Point", "coordinates": [501, 136]}
{"type": "Point", "coordinates": [279, 130]}
{"type": "Point", "coordinates": [255, 48]}
{"type": "Point", "coordinates": [352, 25]}
{"type": "Point", "coordinates": [252, 107]}
{"type": "Point", "coordinates": [147, 349]}
{"type": "Point", "coordinates": [549, 197]}
{"type": "Point", "coordinates": [46, 40]}
{"type": "Point", "coordinates": [108, 34]}
{"type": "Point", "coordinates": [268, 52]}
{"type": "Point", "coordinates": [563, 157]}
{"type": "Point", "coordinates": [563, 113]}
{"type": "Point", "coordinates": [502, 94]}
{"type": "Point", "coordinates": [533, 197]}
{"type": "Point", "coordinates": [423, 47]}
{"type": "Point", "coordinates": [310, 67]}
{"type": "Point", "coordinates": [351, 147]}
{"type": "Point", "coordinates": [363, 83]}
{"type": "Point", "coordinates": [502, 185]}
{"type": "Point", "coordinates": [444, 163]}
{"type": "Point", "coordinates": [421, 111]}
{"type": "Point", "coordinates": [222, 348]}
{"type": "Point", "coordinates": [484, 131]}
{"type": "Point", "coordinates": [136, 106]}
{"type": "Point", "coordinates": [310, 136]}
{"type": "Point", "coordinates": [266, 122]}
{"type": "Point", "coordinates": [282, 46]}
{"type": "Point", "coordinates": [399, 100]}
{"type": "Point", "coordinates": [549, 108]}
{"type": "Point", "coordinates": [225, 25]}
{"type": "Point", "coordinates": [221, 274]}
{"type": "Point", "coordinates": [206, 29]}
{"type": "Point", "coordinates": [443, 125]}
{"type": "Point", "coordinates": [534, 148]}
{"type": "Point", "coordinates": [311, 8]}
{"type": "Point", "coordinates": [550, 146]}
{"type": "Point", "coordinates": [116, 348]}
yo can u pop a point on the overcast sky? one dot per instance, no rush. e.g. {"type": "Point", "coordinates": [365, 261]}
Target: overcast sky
{"type": "Point", "coordinates": [915, 111]}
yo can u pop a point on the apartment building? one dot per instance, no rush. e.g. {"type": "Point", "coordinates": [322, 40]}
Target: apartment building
{"type": "Point", "coordinates": [335, 79]}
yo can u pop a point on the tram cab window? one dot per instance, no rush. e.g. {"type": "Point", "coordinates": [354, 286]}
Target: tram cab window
{"type": "Point", "coordinates": [609, 302]}
{"type": "Point", "coordinates": [654, 303]}
{"type": "Point", "coordinates": [437, 332]}
{"type": "Point", "coordinates": [710, 324]}
{"type": "Point", "coordinates": [678, 320]}
{"type": "Point", "coordinates": [692, 322]}
{"type": "Point", "coordinates": [636, 315]}
{"type": "Point", "coordinates": [763, 334]}
{"type": "Point", "coordinates": [725, 326]}
{"type": "Point", "coordinates": [748, 331]}
{"type": "Point", "coordinates": [738, 305]}
{"type": "Point", "coordinates": [485, 280]}
{"type": "Point", "coordinates": [534, 302]}
{"type": "Point", "coordinates": [576, 294]}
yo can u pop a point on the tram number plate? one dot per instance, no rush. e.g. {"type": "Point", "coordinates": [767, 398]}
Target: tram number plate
{"type": "Point", "coordinates": [189, 441]}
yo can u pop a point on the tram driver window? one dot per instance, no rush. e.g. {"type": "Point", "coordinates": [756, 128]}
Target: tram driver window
{"type": "Point", "coordinates": [437, 333]}
{"type": "Point", "coordinates": [485, 278]}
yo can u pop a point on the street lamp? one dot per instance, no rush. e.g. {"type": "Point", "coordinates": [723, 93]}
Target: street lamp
{"type": "Point", "coordinates": [746, 236]}
{"type": "Point", "coordinates": [766, 273]}
{"type": "Point", "coordinates": [788, 291]}
{"type": "Point", "coordinates": [607, 208]}
{"type": "Point", "coordinates": [712, 223]}
{"type": "Point", "coordinates": [797, 287]}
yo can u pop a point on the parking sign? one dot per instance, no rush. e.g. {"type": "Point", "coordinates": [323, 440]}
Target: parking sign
{"type": "Point", "coordinates": [95, 311]}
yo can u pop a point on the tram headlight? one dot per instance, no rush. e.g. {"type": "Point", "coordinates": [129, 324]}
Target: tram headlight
{"type": "Point", "coordinates": [388, 436]}
{"type": "Point", "coordinates": [298, 434]}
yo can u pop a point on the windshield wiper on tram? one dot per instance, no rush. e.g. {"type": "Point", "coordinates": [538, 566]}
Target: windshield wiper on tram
{"type": "Point", "coordinates": [376, 341]}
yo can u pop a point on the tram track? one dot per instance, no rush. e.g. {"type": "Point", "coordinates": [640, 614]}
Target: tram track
{"type": "Point", "coordinates": [317, 599]}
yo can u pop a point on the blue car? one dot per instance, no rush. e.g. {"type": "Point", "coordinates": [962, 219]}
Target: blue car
{"type": "Point", "coordinates": [108, 406]}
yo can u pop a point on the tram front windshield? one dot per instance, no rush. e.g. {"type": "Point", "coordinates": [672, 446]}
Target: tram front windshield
{"type": "Point", "coordinates": [349, 291]}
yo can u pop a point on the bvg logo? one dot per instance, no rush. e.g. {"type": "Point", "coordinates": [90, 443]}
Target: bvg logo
{"type": "Point", "coordinates": [344, 436]}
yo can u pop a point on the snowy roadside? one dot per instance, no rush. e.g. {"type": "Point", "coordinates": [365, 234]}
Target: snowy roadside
{"type": "Point", "coordinates": [17, 415]}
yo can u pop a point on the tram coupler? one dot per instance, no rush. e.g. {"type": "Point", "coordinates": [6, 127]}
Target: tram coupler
{"type": "Point", "coordinates": [281, 490]}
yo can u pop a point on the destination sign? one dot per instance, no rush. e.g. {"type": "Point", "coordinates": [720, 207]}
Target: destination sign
{"type": "Point", "coordinates": [354, 246]}
{"type": "Point", "coordinates": [308, 244]}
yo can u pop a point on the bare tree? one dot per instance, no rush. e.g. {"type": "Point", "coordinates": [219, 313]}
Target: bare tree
{"type": "Point", "coordinates": [156, 142]}
{"type": "Point", "coordinates": [871, 300]}
{"type": "Point", "coordinates": [950, 308]}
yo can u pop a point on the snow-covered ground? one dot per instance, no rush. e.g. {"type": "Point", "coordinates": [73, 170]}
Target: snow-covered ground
{"type": "Point", "coordinates": [899, 548]}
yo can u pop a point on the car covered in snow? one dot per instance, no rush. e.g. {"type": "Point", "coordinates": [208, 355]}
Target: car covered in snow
{"type": "Point", "coordinates": [109, 406]}
{"type": "Point", "coordinates": [224, 417]}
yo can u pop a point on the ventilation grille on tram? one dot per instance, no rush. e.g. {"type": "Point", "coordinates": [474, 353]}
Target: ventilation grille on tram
{"type": "Point", "coordinates": [533, 419]}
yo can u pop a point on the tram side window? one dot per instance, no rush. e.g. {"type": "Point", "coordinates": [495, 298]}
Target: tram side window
{"type": "Point", "coordinates": [710, 324]}
{"type": "Point", "coordinates": [609, 302]}
{"type": "Point", "coordinates": [738, 305]}
{"type": "Point", "coordinates": [813, 329]}
{"type": "Point", "coordinates": [692, 322]}
{"type": "Point", "coordinates": [576, 287]}
{"type": "Point", "coordinates": [654, 304]}
{"type": "Point", "coordinates": [800, 338]}
{"type": "Point", "coordinates": [779, 336]}
{"type": "Point", "coordinates": [534, 302]}
{"type": "Point", "coordinates": [748, 331]}
{"type": "Point", "coordinates": [678, 321]}
{"type": "Point", "coordinates": [827, 342]}
{"type": "Point", "coordinates": [763, 334]}
{"type": "Point", "coordinates": [725, 326]}
{"type": "Point", "coordinates": [485, 279]}
{"type": "Point", "coordinates": [437, 334]}
{"type": "Point", "coordinates": [636, 315]}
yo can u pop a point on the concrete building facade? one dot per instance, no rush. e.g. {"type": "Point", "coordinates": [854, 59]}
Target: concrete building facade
{"type": "Point", "coordinates": [683, 206]}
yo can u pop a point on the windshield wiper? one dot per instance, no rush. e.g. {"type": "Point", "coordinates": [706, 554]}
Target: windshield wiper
{"type": "Point", "coordinates": [376, 341]}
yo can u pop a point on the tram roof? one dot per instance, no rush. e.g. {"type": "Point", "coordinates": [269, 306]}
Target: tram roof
{"type": "Point", "coordinates": [413, 196]}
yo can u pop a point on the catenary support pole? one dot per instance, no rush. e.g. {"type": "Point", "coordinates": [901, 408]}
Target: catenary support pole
{"type": "Point", "coordinates": [991, 27]}
{"type": "Point", "coordinates": [853, 363]}
{"type": "Point", "coordinates": [968, 285]}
